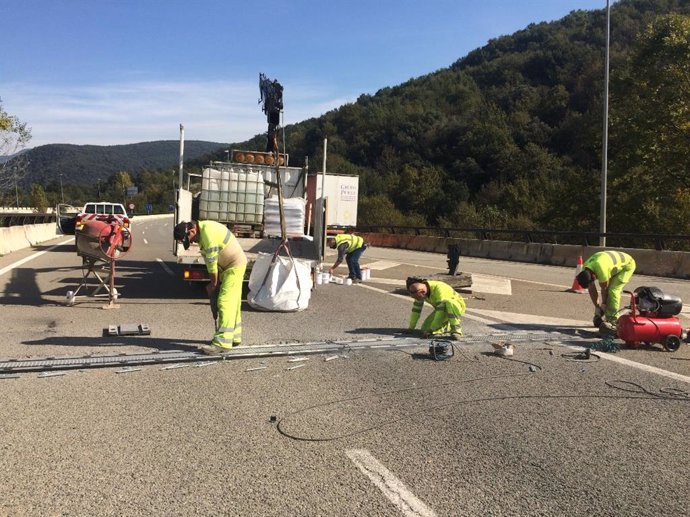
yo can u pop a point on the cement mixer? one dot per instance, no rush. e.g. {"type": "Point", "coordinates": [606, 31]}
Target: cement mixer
{"type": "Point", "coordinates": [100, 242]}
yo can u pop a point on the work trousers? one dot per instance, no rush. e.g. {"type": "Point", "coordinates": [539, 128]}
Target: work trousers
{"type": "Point", "coordinates": [353, 263]}
{"type": "Point", "coordinates": [616, 285]}
{"type": "Point", "coordinates": [229, 303]}
{"type": "Point", "coordinates": [446, 317]}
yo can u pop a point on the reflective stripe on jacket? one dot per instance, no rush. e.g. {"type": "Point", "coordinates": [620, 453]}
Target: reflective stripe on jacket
{"type": "Point", "coordinates": [607, 264]}
{"type": "Point", "coordinates": [354, 242]}
{"type": "Point", "coordinates": [219, 247]}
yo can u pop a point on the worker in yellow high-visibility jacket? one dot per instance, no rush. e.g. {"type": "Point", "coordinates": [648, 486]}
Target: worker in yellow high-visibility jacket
{"type": "Point", "coordinates": [448, 306]}
{"type": "Point", "coordinates": [226, 263]}
{"type": "Point", "coordinates": [350, 247]}
{"type": "Point", "coordinates": [613, 270]}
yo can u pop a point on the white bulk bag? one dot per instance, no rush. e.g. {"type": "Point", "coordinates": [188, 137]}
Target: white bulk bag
{"type": "Point", "coordinates": [282, 285]}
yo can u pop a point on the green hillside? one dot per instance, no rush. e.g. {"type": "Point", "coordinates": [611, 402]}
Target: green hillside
{"type": "Point", "coordinates": [86, 164]}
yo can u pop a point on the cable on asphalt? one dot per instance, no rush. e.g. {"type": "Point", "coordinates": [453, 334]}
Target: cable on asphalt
{"type": "Point", "coordinates": [668, 394]}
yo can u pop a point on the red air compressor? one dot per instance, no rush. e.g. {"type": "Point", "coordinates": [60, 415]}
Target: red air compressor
{"type": "Point", "coordinates": [652, 319]}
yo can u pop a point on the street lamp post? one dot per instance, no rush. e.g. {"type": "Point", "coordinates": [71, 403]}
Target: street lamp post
{"type": "Point", "coordinates": [62, 193]}
{"type": "Point", "coordinates": [605, 138]}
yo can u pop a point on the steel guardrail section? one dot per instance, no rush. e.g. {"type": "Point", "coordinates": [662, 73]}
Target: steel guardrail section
{"type": "Point", "coordinates": [269, 350]}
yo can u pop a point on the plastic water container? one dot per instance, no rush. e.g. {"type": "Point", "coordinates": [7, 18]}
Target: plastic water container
{"type": "Point", "coordinates": [319, 278]}
{"type": "Point", "coordinates": [348, 281]}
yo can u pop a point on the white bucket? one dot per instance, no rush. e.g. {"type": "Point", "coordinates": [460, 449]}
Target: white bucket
{"type": "Point", "coordinates": [319, 278]}
{"type": "Point", "coordinates": [348, 281]}
{"type": "Point", "coordinates": [366, 273]}
{"type": "Point", "coordinates": [339, 280]}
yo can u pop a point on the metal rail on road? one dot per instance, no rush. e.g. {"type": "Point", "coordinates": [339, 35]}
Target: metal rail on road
{"type": "Point", "coordinates": [261, 351]}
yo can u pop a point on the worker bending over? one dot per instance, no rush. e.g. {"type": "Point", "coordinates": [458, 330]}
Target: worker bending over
{"type": "Point", "coordinates": [613, 270]}
{"type": "Point", "coordinates": [350, 247]}
{"type": "Point", "coordinates": [226, 263]}
{"type": "Point", "coordinates": [448, 305]}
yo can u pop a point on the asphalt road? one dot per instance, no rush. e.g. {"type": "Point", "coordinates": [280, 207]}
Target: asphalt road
{"type": "Point", "coordinates": [378, 432]}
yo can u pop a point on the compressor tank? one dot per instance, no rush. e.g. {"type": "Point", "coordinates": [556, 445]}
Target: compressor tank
{"type": "Point", "coordinates": [640, 329]}
{"type": "Point", "coordinates": [102, 240]}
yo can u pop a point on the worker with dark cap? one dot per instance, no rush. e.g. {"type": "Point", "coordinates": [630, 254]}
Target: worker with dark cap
{"type": "Point", "coordinates": [613, 270]}
{"type": "Point", "coordinates": [226, 263]}
{"type": "Point", "coordinates": [448, 306]}
{"type": "Point", "coordinates": [350, 247]}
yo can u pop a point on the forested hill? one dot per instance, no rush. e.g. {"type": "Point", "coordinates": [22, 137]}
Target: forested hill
{"type": "Point", "coordinates": [511, 134]}
{"type": "Point", "coordinates": [85, 164]}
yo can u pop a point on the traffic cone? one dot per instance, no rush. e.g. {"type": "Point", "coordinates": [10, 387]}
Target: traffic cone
{"type": "Point", "coordinates": [576, 287]}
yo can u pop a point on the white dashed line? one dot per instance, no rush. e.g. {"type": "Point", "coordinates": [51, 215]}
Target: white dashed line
{"type": "Point", "coordinates": [394, 489]}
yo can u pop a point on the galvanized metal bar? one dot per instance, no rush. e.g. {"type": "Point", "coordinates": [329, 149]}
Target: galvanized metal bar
{"type": "Point", "coordinates": [258, 351]}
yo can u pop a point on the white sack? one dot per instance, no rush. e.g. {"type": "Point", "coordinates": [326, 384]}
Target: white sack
{"type": "Point", "coordinates": [286, 288]}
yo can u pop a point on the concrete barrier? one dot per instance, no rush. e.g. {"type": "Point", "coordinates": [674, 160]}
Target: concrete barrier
{"type": "Point", "coordinates": [673, 264]}
{"type": "Point", "coordinates": [14, 238]}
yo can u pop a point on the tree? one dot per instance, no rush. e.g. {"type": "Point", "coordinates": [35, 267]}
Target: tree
{"type": "Point", "coordinates": [650, 126]}
{"type": "Point", "coordinates": [14, 135]}
{"type": "Point", "coordinates": [38, 198]}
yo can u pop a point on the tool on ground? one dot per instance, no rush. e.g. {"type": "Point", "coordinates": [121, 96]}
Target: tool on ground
{"type": "Point", "coordinates": [129, 329]}
{"type": "Point", "coordinates": [440, 350]}
{"type": "Point", "coordinates": [652, 319]}
{"type": "Point", "coordinates": [503, 349]}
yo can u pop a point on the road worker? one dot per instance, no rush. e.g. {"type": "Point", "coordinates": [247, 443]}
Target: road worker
{"type": "Point", "coordinates": [350, 247]}
{"type": "Point", "coordinates": [448, 305]}
{"type": "Point", "coordinates": [226, 264]}
{"type": "Point", "coordinates": [613, 270]}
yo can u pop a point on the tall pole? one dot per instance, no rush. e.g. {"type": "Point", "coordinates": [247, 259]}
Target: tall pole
{"type": "Point", "coordinates": [179, 182]}
{"type": "Point", "coordinates": [62, 193]}
{"type": "Point", "coordinates": [605, 141]}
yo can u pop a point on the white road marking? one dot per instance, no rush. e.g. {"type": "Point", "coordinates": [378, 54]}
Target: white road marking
{"type": "Point", "coordinates": [165, 267]}
{"type": "Point", "coordinates": [486, 284]}
{"type": "Point", "coordinates": [31, 257]}
{"type": "Point", "coordinates": [394, 489]}
{"type": "Point", "coordinates": [491, 285]}
{"type": "Point", "coordinates": [382, 264]}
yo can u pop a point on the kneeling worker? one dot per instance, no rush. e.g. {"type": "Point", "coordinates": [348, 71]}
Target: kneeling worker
{"type": "Point", "coordinates": [226, 264]}
{"type": "Point", "coordinates": [448, 305]}
{"type": "Point", "coordinates": [613, 269]}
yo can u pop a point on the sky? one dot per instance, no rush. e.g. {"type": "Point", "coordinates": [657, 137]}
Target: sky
{"type": "Point", "coordinates": [109, 72]}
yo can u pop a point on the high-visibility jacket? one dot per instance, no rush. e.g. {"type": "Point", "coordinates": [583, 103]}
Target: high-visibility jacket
{"type": "Point", "coordinates": [354, 242]}
{"type": "Point", "coordinates": [607, 264]}
{"type": "Point", "coordinates": [439, 293]}
{"type": "Point", "coordinates": [219, 247]}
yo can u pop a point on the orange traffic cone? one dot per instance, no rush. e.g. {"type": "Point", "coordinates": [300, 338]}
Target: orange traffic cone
{"type": "Point", "coordinates": [576, 287]}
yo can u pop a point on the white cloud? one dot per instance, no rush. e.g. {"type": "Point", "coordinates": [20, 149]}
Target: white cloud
{"type": "Point", "coordinates": [110, 114]}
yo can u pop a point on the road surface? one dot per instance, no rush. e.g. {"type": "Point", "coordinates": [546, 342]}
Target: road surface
{"type": "Point", "coordinates": [376, 432]}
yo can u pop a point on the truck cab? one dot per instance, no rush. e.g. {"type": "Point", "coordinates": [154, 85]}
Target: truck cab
{"type": "Point", "coordinates": [102, 211]}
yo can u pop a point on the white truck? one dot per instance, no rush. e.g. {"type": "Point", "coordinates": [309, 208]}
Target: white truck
{"type": "Point", "coordinates": [241, 194]}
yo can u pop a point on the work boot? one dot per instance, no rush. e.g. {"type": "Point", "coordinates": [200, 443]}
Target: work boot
{"type": "Point", "coordinates": [356, 281]}
{"type": "Point", "coordinates": [213, 349]}
{"type": "Point", "coordinates": [608, 329]}
{"type": "Point", "coordinates": [456, 336]}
